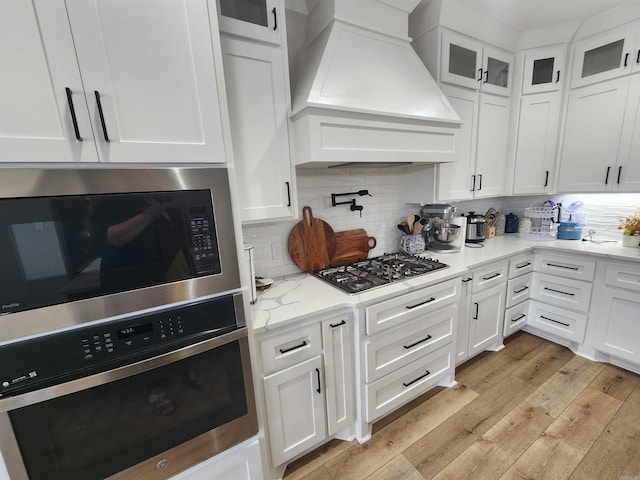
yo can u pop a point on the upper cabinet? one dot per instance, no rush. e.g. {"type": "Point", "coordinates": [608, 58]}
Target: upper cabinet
{"type": "Point", "coordinates": [254, 19]}
{"type": "Point", "coordinates": [110, 82]}
{"type": "Point", "coordinates": [606, 56]}
{"type": "Point", "coordinates": [544, 69]}
{"type": "Point", "coordinates": [469, 63]}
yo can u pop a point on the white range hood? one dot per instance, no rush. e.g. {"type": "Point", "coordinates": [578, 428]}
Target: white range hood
{"type": "Point", "coordinates": [362, 96]}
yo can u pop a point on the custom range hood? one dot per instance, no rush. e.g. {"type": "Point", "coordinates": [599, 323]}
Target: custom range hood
{"type": "Point", "coordinates": [361, 95]}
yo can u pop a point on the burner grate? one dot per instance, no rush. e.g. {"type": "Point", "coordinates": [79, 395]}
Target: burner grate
{"type": "Point", "coordinates": [378, 271]}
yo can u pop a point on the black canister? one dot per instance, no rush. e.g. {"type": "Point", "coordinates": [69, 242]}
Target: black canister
{"type": "Point", "coordinates": [511, 223]}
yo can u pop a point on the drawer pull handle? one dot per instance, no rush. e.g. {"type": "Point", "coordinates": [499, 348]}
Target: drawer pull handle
{"type": "Point", "coordinates": [523, 289]}
{"type": "Point", "coordinates": [319, 390]}
{"type": "Point", "coordinates": [466, 280]}
{"type": "Point", "coordinates": [555, 321]}
{"type": "Point", "coordinates": [562, 266]}
{"type": "Point", "coordinates": [523, 265]}
{"type": "Point", "coordinates": [335, 325]}
{"type": "Point", "coordinates": [559, 291]}
{"type": "Point", "coordinates": [492, 276]}
{"type": "Point", "coordinates": [287, 350]}
{"type": "Point", "coordinates": [432, 299]}
{"type": "Point", "coordinates": [418, 342]}
{"type": "Point", "coordinates": [519, 318]}
{"type": "Point", "coordinates": [419, 378]}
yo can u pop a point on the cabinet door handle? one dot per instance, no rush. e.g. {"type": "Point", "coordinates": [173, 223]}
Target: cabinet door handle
{"type": "Point", "coordinates": [554, 321]}
{"type": "Point", "coordinates": [288, 194]}
{"type": "Point", "coordinates": [523, 265]}
{"type": "Point", "coordinates": [286, 350]}
{"type": "Point", "coordinates": [479, 182]}
{"type": "Point", "coordinates": [319, 390]}
{"type": "Point", "coordinates": [519, 318]}
{"type": "Point", "coordinates": [626, 59]}
{"type": "Point", "coordinates": [638, 57]}
{"type": "Point", "coordinates": [104, 126]}
{"type": "Point", "coordinates": [72, 111]}
{"type": "Point", "coordinates": [562, 266]}
{"type": "Point", "coordinates": [546, 178]}
{"type": "Point", "coordinates": [492, 276]}
{"type": "Point", "coordinates": [275, 18]}
{"type": "Point", "coordinates": [479, 74]}
{"type": "Point", "coordinates": [336, 325]}
{"type": "Point", "coordinates": [418, 342]}
{"type": "Point", "coordinates": [606, 179]}
{"type": "Point", "coordinates": [415, 380]}
{"type": "Point", "coordinates": [473, 183]}
{"type": "Point", "coordinates": [475, 315]}
{"type": "Point", "coordinates": [619, 173]}
{"type": "Point", "coordinates": [523, 289]}
{"type": "Point", "coordinates": [409, 307]}
{"type": "Point", "coordinates": [560, 291]}
{"type": "Point", "coordinates": [486, 76]}
{"type": "Point", "coordinates": [557, 76]}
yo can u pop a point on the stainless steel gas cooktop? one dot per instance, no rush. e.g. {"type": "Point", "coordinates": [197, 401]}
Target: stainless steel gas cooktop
{"type": "Point", "coordinates": [378, 271]}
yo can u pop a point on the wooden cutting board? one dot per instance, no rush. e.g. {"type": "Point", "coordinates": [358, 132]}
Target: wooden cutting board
{"type": "Point", "coordinates": [351, 245]}
{"type": "Point", "coordinates": [311, 242]}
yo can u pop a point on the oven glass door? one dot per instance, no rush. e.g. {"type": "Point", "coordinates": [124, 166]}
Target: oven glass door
{"type": "Point", "coordinates": [99, 431]}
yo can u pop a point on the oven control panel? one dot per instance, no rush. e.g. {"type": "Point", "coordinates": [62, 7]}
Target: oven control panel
{"type": "Point", "coordinates": [63, 356]}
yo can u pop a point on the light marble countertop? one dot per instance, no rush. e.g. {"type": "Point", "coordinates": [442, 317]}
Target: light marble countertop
{"type": "Point", "coordinates": [298, 296]}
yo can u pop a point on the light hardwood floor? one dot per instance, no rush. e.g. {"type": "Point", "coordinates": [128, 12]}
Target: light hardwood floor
{"type": "Point", "coordinates": [534, 410]}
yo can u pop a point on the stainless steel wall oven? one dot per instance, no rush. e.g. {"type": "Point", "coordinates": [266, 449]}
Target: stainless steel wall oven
{"type": "Point", "coordinates": [122, 355]}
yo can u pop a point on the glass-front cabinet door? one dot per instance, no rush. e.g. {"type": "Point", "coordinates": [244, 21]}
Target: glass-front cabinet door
{"type": "Point", "coordinates": [469, 63]}
{"type": "Point", "coordinates": [544, 69]}
{"type": "Point", "coordinates": [606, 56]}
{"type": "Point", "coordinates": [255, 19]}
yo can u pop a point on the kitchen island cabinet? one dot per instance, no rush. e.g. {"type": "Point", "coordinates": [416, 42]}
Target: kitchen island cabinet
{"type": "Point", "coordinates": [111, 82]}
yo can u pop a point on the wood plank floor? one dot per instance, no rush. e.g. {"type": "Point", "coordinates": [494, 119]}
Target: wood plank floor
{"type": "Point", "coordinates": [534, 410]}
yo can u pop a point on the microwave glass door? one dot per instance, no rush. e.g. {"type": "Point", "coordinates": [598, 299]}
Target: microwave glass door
{"type": "Point", "coordinates": [97, 432]}
{"type": "Point", "coordinates": [67, 248]}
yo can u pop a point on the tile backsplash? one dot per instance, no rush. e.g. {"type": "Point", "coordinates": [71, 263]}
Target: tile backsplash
{"type": "Point", "coordinates": [386, 207]}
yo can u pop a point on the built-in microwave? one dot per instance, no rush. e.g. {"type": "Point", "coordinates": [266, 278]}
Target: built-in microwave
{"type": "Point", "coordinates": [81, 245]}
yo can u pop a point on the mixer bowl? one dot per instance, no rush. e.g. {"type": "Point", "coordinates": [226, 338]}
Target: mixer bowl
{"type": "Point", "coordinates": [446, 233]}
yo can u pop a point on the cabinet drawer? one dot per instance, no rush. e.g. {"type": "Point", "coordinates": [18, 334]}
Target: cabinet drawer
{"type": "Point", "coordinates": [563, 323]}
{"type": "Point", "coordinates": [399, 347]}
{"type": "Point", "coordinates": [563, 292]}
{"type": "Point", "coordinates": [623, 276]}
{"type": "Point", "coordinates": [397, 388]}
{"type": "Point", "coordinates": [578, 268]}
{"type": "Point", "coordinates": [521, 264]}
{"type": "Point", "coordinates": [290, 347]}
{"type": "Point", "coordinates": [515, 318]}
{"type": "Point", "coordinates": [404, 308]}
{"type": "Point", "coordinates": [518, 289]}
{"type": "Point", "coordinates": [487, 276]}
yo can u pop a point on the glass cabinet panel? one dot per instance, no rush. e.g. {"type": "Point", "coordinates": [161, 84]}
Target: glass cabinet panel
{"type": "Point", "coordinates": [252, 11]}
{"type": "Point", "coordinates": [602, 59]}
{"type": "Point", "coordinates": [462, 61]}
{"type": "Point", "coordinates": [542, 71]}
{"type": "Point", "coordinates": [260, 20]}
{"type": "Point", "coordinates": [497, 72]}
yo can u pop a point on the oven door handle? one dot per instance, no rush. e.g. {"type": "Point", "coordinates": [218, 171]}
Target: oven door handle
{"type": "Point", "coordinates": [101, 378]}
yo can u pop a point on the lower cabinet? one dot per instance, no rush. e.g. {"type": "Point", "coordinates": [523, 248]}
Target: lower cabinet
{"type": "Point", "coordinates": [308, 384]}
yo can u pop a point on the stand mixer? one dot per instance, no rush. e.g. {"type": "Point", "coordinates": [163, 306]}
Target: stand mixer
{"type": "Point", "coordinates": [439, 233]}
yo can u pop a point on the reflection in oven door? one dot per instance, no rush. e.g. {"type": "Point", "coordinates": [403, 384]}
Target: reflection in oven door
{"type": "Point", "coordinates": [152, 418]}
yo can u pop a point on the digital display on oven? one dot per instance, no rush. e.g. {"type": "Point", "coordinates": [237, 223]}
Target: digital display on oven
{"type": "Point", "coordinates": [133, 330]}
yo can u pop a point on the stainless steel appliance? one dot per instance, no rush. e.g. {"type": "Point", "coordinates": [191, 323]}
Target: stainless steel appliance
{"type": "Point", "coordinates": [476, 228]}
{"type": "Point", "coordinates": [378, 271]}
{"type": "Point", "coordinates": [440, 233]}
{"type": "Point", "coordinates": [80, 245]}
{"type": "Point", "coordinates": [144, 396]}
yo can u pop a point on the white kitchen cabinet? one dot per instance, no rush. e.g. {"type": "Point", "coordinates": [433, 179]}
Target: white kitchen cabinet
{"type": "Point", "coordinates": [627, 172]}
{"type": "Point", "coordinates": [536, 143]}
{"type": "Point", "coordinates": [470, 63]}
{"type": "Point", "coordinates": [257, 84]}
{"type": "Point", "coordinates": [607, 55]}
{"type": "Point", "coordinates": [260, 20]}
{"type": "Point", "coordinates": [308, 384]}
{"type": "Point", "coordinates": [485, 324]}
{"type": "Point", "coordinates": [295, 407]}
{"type": "Point", "coordinates": [462, 336]}
{"type": "Point", "coordinates": [544, 69]}
{"type": "Point", "coordinates": [147, 74]}
{"type": "Point", "coordinates": [518, 293]}
{"type": "Point", "coordinates": [491, 154]}
{"type": "Point", "coordinates": [592, 137]}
